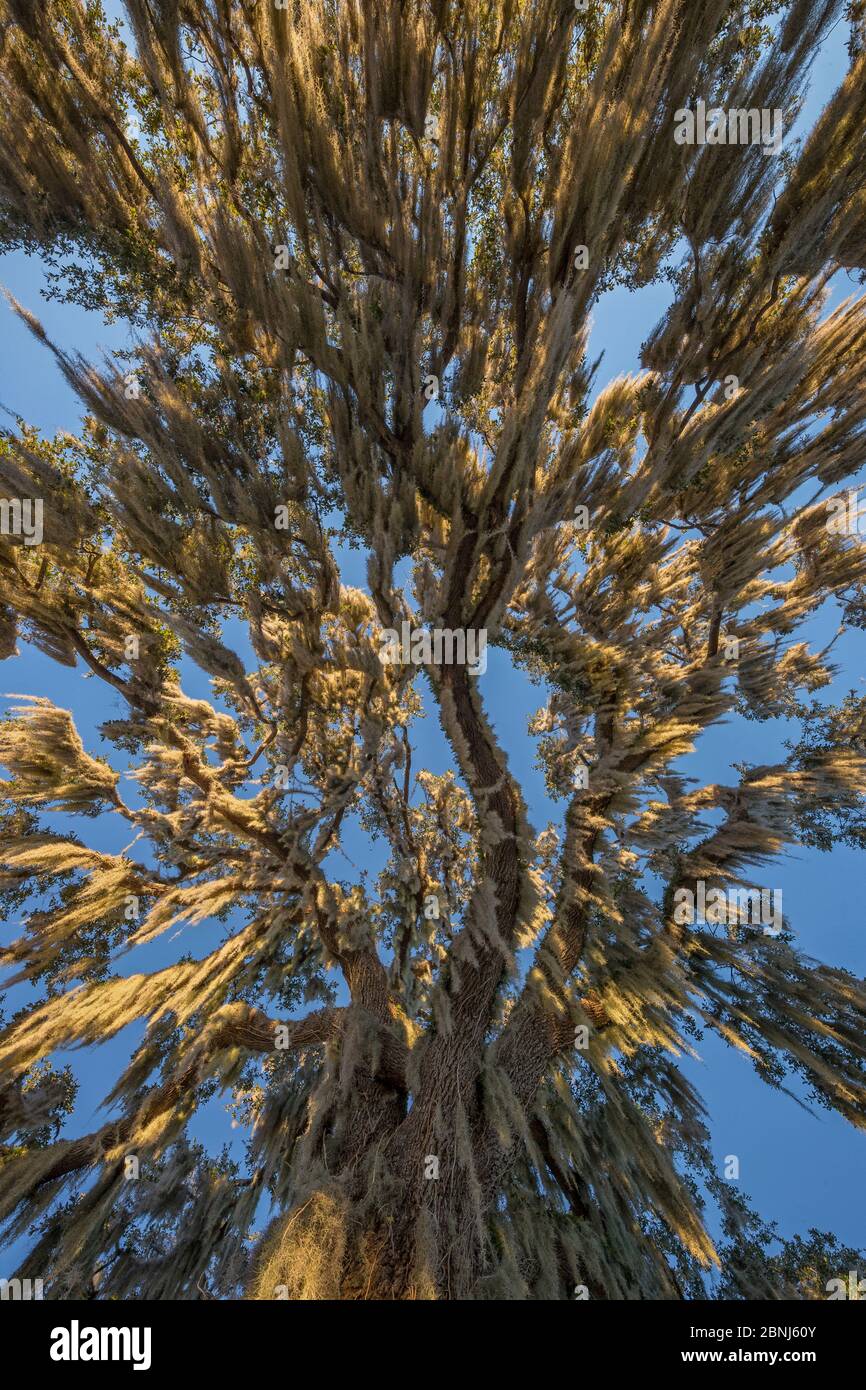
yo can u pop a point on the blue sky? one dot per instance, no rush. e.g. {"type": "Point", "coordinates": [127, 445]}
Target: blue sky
{"type": "Point", "coordinates": [802, 1169]}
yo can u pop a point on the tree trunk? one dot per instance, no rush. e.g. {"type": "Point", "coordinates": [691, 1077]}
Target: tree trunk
{"type": "Point", "coordinates": [390, 1205]}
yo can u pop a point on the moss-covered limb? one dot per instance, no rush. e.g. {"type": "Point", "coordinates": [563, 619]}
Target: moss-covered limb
{"type": "Point", "coordinates": [236, 1028]}
{"type": "Point", "coordinates": [322, 218]}
{"type": "Point", "coordinates": [499, 914]}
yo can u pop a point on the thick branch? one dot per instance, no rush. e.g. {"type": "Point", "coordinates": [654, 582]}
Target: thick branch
{"type": "Point", "coordinates": [241, 1028]}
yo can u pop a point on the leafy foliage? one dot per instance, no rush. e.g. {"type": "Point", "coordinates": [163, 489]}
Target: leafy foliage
{"type": "Point", "coordinates": [310, 214]}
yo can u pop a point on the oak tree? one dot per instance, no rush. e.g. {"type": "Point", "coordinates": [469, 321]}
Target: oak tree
{"type": "Point", "coordinates": [360, 243]}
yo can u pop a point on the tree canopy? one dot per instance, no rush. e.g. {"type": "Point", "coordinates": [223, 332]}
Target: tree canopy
{"type": "Point", "coordinates": [360, 243]}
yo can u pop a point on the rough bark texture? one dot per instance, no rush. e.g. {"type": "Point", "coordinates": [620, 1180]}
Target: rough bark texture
{"type": "Point", "coordinates": [363, 244]}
